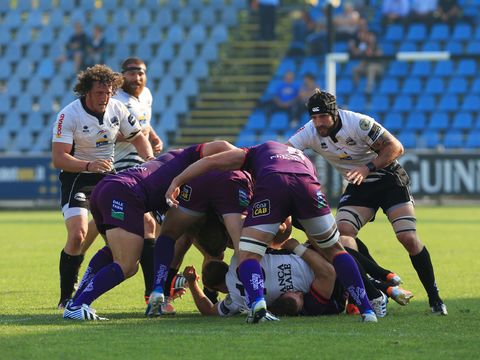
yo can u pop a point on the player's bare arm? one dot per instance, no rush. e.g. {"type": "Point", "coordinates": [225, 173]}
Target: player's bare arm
{"type": "Point", "coordinates": [155, 141]}
{"type": "Point", "coordinates": [203, 303]}
{"type": "Point", "coordinates": [62, 159]}
{"type": "Point", "coordinates": [142, 145]}
{"type": "Point", "coordinates": [388, 149]}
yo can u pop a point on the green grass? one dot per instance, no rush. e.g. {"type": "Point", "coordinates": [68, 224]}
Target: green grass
{"type": "Point", "coordinates": [31, 327]}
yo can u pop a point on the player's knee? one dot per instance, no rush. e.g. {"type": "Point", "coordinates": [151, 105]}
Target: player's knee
{"type": "Point", "coordinates": [410, 242]}
{"type": "Point", "coordinates": [349, 222]}
{"type": "Point", "coordinates": [76, 236]}
{"type": "Point", "coordinates": [129, 268]}
{"type": "Point", "coordinates": [348, 241]}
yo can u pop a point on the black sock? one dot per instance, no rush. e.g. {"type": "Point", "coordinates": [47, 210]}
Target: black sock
{"type": "Point", "coordinates": [211, 294]}
{"type": "Point", "coordinates": [423, 265]}
{"type": "Point", "coordinates": [146, 260]}
{"type": "Point", "coordinates": [168, 282]}
{"type": "Point", "coordinates": [372, 291]}
{"type": "Point", "coordinates": [370, 267]}
{"type": "Point", "coordinates": [380, 285]}
{"type": "Point", "coordinates": [363, 249]}
{"type": "Point", "coordinates": [69, 267]}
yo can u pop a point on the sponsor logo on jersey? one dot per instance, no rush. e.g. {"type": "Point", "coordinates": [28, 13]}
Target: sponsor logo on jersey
{"type": "Point", "coordinates": [284, 277]}
{"type": "Point", "coordinates": [321, 201]}
{"type": "Point", "coordinates": [243, 198]}
{"type": "Point", "coordinates": [80, 196]}
{"type": "Point", "coordinates": [131, 120]}
{"type": "Point", "coordinates": [349, 141]}
{"type": "Point", "coordinates": [85, 129]}
{"type": "Point", "coordinates": [365, 124]}
{"type": "Point", "coordinates": [315, 109]}
{"type": "Point", "coordinates": [256, 281]}
{"type": "Point", "coordinates": [374, 132]}
{"type": "Point", "coordinates": [186, 192]}
{"type": "Point", "coordinates": [344, 156]}
{"type": "Point", "coordinates": [323, 145]}
{"type": "Point", "coordinates": [343, 199]}
{"type": "Point", "coordinates": [261, 208]}
{"type": "Point", "coordinates": [59, 125]}
{"type": "Point", "coordinates": [103, 140]}
{"type": "Point", "coordinates": [118, 210]}
{"type": "Point", "coordinates": [114, 121]}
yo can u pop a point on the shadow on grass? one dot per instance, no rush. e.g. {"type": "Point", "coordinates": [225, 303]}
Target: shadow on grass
{"type": "Point", "coordinates": [457, 308]}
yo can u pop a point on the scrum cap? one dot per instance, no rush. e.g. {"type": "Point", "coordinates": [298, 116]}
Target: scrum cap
{"type": "Point", "coordinates": [322, 102]}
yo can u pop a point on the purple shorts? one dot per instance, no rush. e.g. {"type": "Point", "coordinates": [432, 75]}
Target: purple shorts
{"type": "Point", "coordinates": [280, 195]}
{"type": "Point", "coordinates": [113, 204]}
{"type": "Point", "coordinates": [224, 193]}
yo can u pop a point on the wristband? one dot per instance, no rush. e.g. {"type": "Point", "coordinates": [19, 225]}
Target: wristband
{"type": "Point", "coordinates": [88, 164]}
{"type": "Point", "coordinates": [371, 166]}
{"type": "Point", "coordinates": [300, 250]}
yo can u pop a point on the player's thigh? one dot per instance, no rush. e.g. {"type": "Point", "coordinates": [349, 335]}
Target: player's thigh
{"type": "Point", "coordinates": [126, 248]}
{"type": "Point", "coordinates": [177, 222]}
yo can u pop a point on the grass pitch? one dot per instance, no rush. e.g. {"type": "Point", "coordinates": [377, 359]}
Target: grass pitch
{"type": "Point", "coordinates": [31, 327]}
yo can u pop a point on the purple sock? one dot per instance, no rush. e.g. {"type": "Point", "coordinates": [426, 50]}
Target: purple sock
{"type": "Point", "coordinates": [164, 250]}
{"type": "Point", "coordinates": [251, 275]}
{"type": "Point", "coordinates": [349, 276]}
{"type": "Point", "coordinates": [106, 279]}
{"type": "Point", "coordinates": [102, 258]}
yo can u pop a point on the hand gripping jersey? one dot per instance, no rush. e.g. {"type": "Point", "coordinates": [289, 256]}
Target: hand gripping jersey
{"type": "Point", "coordinates": [282, 273]}
{"type": "Point", "coordinates": [93, 138]}
{"type": "Point", "coordinates": [349, 148]}
{"type": "Point", "coordinates": [141, 108]}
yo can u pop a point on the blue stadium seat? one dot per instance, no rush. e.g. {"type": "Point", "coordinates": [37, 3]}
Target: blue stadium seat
{"type": "Point", "coordinates": [4, 104]}
{"type": "Point", "coordinates": [35, 51]}
{"type": "Point", "coordinates": [344, 85]}
{"type": "Point", "coordinates": [462, 32]}
{"type": "Point", "coordinates": [454, 47]}
{"type": "Point", "coordinates": [475, 88]}
{"type": "Point", "coordinates": [246, 138]}
{"type": "Point", "coordinates": [22, 142]}
{"type": "Point", "coordinates": [34, 19]}
{"type": "Point", "coordinates": [24, 104]}
{"type": "Point", "coordinates": [35, 86]}
{"type": "Point", "coordinates": [175, 34]}
{"type": "Point", "coordinates": [5, 69]}
{"type": "Point", "coordinates": [144, 50]}
{"type": "Point", "coordinates": [187, 52]}
{"type": "Point", "coordinates": [471, 103]}
{"type": "Point", "coordinates": [473, 47]}
{"type": "Point", "coordinates": [279, 121]}
{"type": "Point", "coordinates": [440, 32]}
{"type": "Point", "coordinates": [166, 52]}
{"type": "Point", "coordinates": [457, 85]}
{"type": "Point", "coordinates": [122, 50]}
{"type": "Point", "coordinates": [462, 121]}
{"type": "Point", "coordinates": [228, 16]}
{"type": "Point", "coordinates": [398, 68]}
{"type": "Point", "coordinates": [357, 103]}
{"type": "Point", "coordinates": [46, 69]}
{"type": "Point", "coordinates": [219, 33]}
{"type": "Point", "coordinates": [425, 102]}
{"type": "Point", "coordinates": [189, 86]}
{"type": "Point", "coordinates": [197, 34]}
{"type": "Point", "coordinates": [121, 18]}
{"type": "Point", "coordinates": [403, 103]}
{"type": "Point", "coordinates": [257, 120]}
{"type": "Point", "coordinates": [35, 122]}
{"type": "Point", "coordinates": [435, 85]}
{"type": "Point", "coordinates": [167, 86]}
{"type": "Point", "coordinates": [389, 86]}
{"type": "Point", "coordinates": [408, 46]}
{"type": "Point", "coordinates": [4, 139]}
{"type": "Point", "coordinates": [267, 135]}
{"type": "Point", "coordinates": [207, 16]}
{"type": "Point", "coordinates": [164, 17]}
{"type": "Point", "coordinates": [13, 52]}
{"type": "Point", "coordinates": [473, 140]}
{"type": "Point", "coordinates": [179, 105]}
{"type": "Point", "coordinates": [431, 45]}
{"type": "Point", "coordinates": [466, 67]}
{"type": "Point", "coordinates": [99, 16]}
{"type": "Point", "coordinates": [430, 139]}
{"type": "Point", "coordinates": [200, 70]}
{"type": "Point", "coordinates": [185, 17]}
{"type": "Point", "coordinates": [408, 139]}
{"type": "Point", "coordinates": [45, 5]}
{"type": "Point", "coordinates": [416, 121]}
{"type": "Point", "coordinates": [394, 121]}
{"type": "Point", "coordinates": [209, 51]}
{"type": "Point", "coordinates": [453, 140]}
{"type": "Point", "coordinates": [444, 68]}
{"type": "Point", "coordinates": [421, 68]}
{"type": "Point", "coordinates": [24, 68]}
{"type": "Point", "coordinates": [308, 65]}
{"type": "Point", "coordinates": [416, 32]}
{"type": "Point", "coordinates": [14, 86]}
{"type": "Point", "coordinates": [394, 33]}
{"type": "Point", "coordinates": [66, 5]}
{"type": "Point", "coordinates": [13, 20]}
{"type": "Point", "coordinates": [438, 121]}
{"type": "Point", "coordinates": [132, 36]}
{"type": "Point", "coordinates": [448, 102]}
{"type": "Point", "coordinates": [380, 103]}
{"type": "Point", "coordinates": [141, 16]}
{"type": "Point", "coordinates": [56, 18]}
{"type": "Point", "coordinates": [412, 86]}
{"type": "Point", "coordinates": [287, 64]}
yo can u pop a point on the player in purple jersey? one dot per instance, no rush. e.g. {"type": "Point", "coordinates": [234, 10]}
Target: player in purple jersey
{"type": "Point", "coordinates": [226, 193]}
{"type": "Point", "coordinates": [285, 184]}
{"type": "Point", "coordinates": [118, 206]}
